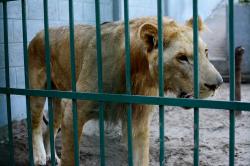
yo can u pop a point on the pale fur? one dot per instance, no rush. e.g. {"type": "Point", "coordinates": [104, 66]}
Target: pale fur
{"type": "Point", "coordinates": [178, 77]}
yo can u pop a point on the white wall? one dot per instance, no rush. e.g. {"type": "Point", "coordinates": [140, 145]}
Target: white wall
{"type": "Point", "coordinates": [182, 10]}
{"type": "Point", "coordinates": [140, 8]}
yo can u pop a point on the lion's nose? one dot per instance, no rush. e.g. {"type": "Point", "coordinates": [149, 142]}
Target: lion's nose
{"type": "Point", "coordinates": [216, 85]}
{"type": "Point", "coordinates": [219, 81]}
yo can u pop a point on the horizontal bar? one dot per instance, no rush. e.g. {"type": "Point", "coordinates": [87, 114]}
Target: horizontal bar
{"type": "Point", "coordinates": [7, 0]}
{"type": "Point", "coordinates": [133, 99]}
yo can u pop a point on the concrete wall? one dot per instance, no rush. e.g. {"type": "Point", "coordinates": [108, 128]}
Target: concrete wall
{"type": "Point", "coordinates": [84, 12]}
{"type": "Point", "coordinates": [242, 36]}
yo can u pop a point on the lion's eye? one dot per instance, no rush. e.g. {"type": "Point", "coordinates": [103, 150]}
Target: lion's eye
{"type": "Point", "coordinates": [182, 58]}
{"type": "Point", "coordinates": [206, 51]}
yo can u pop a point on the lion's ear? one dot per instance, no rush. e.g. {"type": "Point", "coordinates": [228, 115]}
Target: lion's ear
{"type": "Point", "coordinates": [200, 23]}
{"type": "Point", "coordinates": [148, 33]}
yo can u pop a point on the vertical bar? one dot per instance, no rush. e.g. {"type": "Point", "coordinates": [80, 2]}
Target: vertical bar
{"type": "Point", "coordinates": [7, 79]}
{"type": "Point", "coordinates": [128, 82]}
{"type": "Point", "coordinates": [232, 82]}
{"type": "Point", "coordinates": [196, 81]}
{"type": "Point", "coordinates": [116, 10]}
{"type": "Point", "coordinates": [26, 75]}
{"type": "Point", "coordinates": [100, 84]}
{"type": "Point", "coordinates": [48, 74]}
{"type": "Point", "coordinates": [161, 80]}
{"type": "Point", "coordinates": [73, 81]}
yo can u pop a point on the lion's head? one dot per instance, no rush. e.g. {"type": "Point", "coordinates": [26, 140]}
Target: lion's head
{"type": "Point", "coordinates": [179, 58]}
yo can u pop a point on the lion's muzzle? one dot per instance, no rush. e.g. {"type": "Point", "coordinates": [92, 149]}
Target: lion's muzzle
{"type": "Point", "coordinates": [214, 86]}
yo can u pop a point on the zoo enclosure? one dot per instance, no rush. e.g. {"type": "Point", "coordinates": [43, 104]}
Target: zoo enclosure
{"type": "Point", "coordinates": [118, 98]}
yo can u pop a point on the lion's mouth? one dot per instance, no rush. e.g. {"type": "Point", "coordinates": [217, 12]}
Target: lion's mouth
{"type": "Point", "coordinates": [185, 95]}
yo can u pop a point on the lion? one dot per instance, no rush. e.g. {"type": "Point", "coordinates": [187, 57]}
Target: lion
{"type": "Point", "coordinates": [178, 78]}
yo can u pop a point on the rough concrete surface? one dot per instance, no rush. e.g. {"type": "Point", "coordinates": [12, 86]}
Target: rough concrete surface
{"type": "Point", "coordinates": [214, 138]}
{"type": "Point", "coordinates": [215, 35]}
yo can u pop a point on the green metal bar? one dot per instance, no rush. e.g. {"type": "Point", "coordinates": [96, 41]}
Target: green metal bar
{"type": "Point", "coordinates": [26, 75]}
{"type": "Point", "coordinates": [232, 82]}
{"type": "Point", "coordinates": [128, 82]}
{"type": "Point", "coordinates": [7, 79]}
{"type": "Point", "coordinates": [196, 81]}
{"type": "Point", "coordinates": [161, 81]}
{"type": "Point", "coordinates": [132, 99]}
{"type": "Point", "coordinates": [73, 81]}
{"type": "Point", "coordinates": [48, 74]}
{"type": "Point", "coordinates": [100, 83]}
{"type": "Point", "coordinates": [7, 0]}
{"type": "Point", "coordinates": [72, 45]}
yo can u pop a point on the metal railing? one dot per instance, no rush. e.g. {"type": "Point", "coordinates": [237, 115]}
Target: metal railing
{"type": "Point", "coordinates": [129, 99]}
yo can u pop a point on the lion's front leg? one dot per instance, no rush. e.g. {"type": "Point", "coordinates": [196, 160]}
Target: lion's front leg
{"type": "Point", "coordinates": [141, 147]}
{"type": "Point", "coordinates": [140, 140]}
{"type": "Point", "coordinates": [67, 158]}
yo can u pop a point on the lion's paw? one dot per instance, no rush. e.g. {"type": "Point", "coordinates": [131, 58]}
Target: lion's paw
{"type": "Point", "coordinates": [39, 158]}
{"type": "Point", "coordinates": [48, 159]}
